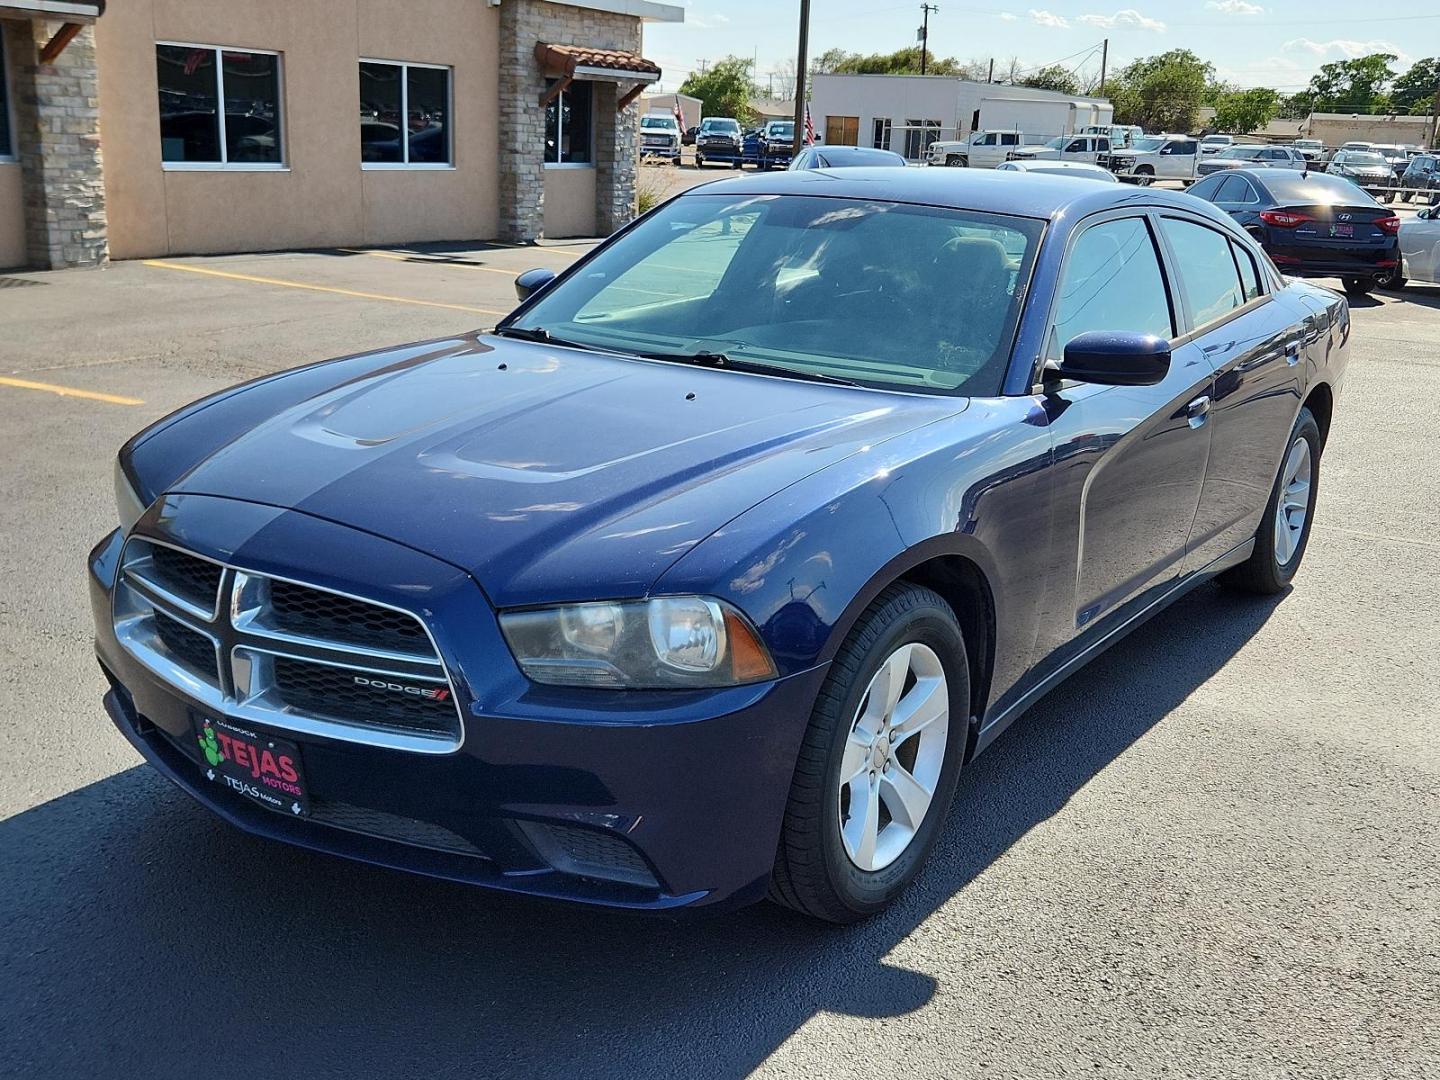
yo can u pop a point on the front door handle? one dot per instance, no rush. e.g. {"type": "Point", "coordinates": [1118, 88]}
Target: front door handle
{"type": "Point", "coordinates": [1292, 351]}
{"type": "Point", "coordinates": [1198, 410]}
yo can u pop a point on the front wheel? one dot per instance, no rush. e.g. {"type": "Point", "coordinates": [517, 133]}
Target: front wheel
{"type": "Point", "coordinates": [1285, 526]}
{"type": "Point", "coordinates": [1144, 176]}
{"type": "Point", "coordinates": [955, 161]}
{"type": "Point", "coordinates": [1357, 286]}
{"type": "Point", "coordinates": [880, 760]}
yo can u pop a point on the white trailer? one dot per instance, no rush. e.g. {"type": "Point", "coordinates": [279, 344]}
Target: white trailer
{"type": "Point", "coordinates": [1040, 118]}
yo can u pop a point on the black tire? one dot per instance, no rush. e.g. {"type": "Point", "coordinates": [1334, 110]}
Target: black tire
{"type": "Point", "coordinates": [1405, 196]}
{"type": "Point", "coordinates": [812, 873]}
{"type": "Point", "coordinates": [1393, 280]}
{"type": "Point", "coordinates": [1263, 574]}
{"type": "Point", "coordinates": [955, 161]}
{"type": "Point", "coordinates": [699, 161]}
{"type": "Point", "coordinates": [1357, 286]}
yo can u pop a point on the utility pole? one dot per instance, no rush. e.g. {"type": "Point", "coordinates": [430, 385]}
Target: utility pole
{"type": "Point", "coordinates": [925, 10]}
{"type": "Point", "coordinates": [991, 77]}
{"type": "Point", "coordinates": [800, 80]}
{"type": "Point", "coordinates": [1104, 62]}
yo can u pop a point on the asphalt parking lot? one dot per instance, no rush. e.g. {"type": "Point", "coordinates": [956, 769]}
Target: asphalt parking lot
{"type": "Point", "coordinates": [1216, 852]}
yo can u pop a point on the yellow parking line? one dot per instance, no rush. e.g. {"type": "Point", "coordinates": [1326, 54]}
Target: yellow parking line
{"type": "Point", "coordinates": [319, 288]}
{"type": "Point", "coordinates": [68, 391]}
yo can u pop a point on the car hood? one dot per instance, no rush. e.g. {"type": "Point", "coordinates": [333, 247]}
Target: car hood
{"type": "Point", "coordinates": [549, 473]}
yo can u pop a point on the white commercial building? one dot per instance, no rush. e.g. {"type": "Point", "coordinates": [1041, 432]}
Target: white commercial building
{"type": "Point", "coordinates": [906, 113]}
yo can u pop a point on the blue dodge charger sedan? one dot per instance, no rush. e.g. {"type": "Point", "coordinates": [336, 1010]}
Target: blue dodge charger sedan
{"type": "Point", "coordinates": [703, 576]}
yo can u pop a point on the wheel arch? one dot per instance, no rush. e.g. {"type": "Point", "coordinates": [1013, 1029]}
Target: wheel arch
{"type": "Point", "coordinates": [961, 571]}
{"type": "Point", "coordinates": [1321, 403]}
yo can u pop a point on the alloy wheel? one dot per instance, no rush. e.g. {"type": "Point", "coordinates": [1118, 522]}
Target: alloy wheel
{"type": "Point", "coordinates": [1293, 506]}
{"type": "Point", "coordinates": [893, 757]}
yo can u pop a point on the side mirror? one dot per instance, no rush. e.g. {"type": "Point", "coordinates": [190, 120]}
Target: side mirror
{"type": "Point", "coordinates": [532, 281]}
{"type": "Point", "coordinates": [1115, 358]}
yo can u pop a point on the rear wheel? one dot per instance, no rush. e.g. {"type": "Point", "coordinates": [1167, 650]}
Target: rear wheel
{"type": "Point", "coordinates": [1357, 286]}
{"type": "Point", "coordinates": [879, 763]}
{"type": "Point", "coordinates": [1393, 280]}
{"type": "Point", "coordinates": [1285, 526]}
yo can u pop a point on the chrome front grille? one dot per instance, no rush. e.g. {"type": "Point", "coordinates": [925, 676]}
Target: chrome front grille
{"type": "Point", "coordinates": [285, 653]}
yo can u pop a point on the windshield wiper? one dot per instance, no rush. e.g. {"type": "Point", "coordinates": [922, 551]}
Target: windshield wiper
{"type": "Point", "coordinates": [726, 362]}
{"type": "Point", "coordinates": [530, 333]}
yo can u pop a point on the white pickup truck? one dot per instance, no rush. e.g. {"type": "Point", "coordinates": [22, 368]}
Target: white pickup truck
{"type": "Point", "coordinates": [983, 150]}
{"type": "Point", "coordinates": [1157, 157]}
{"type": "Point", "coordinates": [1085, 148]}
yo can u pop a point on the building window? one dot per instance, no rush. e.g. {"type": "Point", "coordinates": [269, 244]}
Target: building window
{"type": "Point", "coordinates": [404, 115]}
{"type": "Point", "coordinates": [219, 107]}
{"type": "Point", "coordinates": [842, 130]}
{"type": "Point", "coordinates": [569, 125]}
{"type": "Point", "coordinates": [7, 144]}
{"type": "Point", "coordinates": [919, 134]}
{"type": "Point", "coordinates": [880, 135]}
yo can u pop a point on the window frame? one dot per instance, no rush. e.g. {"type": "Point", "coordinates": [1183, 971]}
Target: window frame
{"type": "Point", "coordinates": [9, 155]}
{"type": "Point", "coordinates": [1190, 330]}
{"type": "Point", "coordinates": [560, 130]}
{"type": "Point", "coordinates": [406, 164]}
{"type": "Point", "coordinates": [881, 127]}
{"type": "Point", "coordinates": [225, 165]}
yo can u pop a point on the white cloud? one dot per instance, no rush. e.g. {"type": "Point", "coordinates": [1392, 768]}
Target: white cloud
{"type": "Point", "coordinates": [1005, 16]}
{"type": "Point", "coordinates": [1234, 7]}
{"type": "Point", "coordinates": [1348, 48]}
{"type": "Point", "coordinates": [1128, 19]}
{"type": "Point", "coordinates": [1050, 19]}
{"type": "Point", "coordinates": [703, 22]}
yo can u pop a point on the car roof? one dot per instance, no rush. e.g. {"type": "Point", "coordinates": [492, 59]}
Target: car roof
{"type": "Point", "coordinates": [1034, 195]}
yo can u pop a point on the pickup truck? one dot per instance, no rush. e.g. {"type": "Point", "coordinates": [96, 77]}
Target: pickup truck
{"type": "Point", "coordinates": [660, 137]}
{"type": "Point", "coordinates": [983, 150]}
{"type": "Point", "coordinates": [1084, 148]}
{"type": "Point", "coordinates": [1159, 157]}
{"type": "Point", "coordinates": [719, 139]}
{"type": "Point", "coordinates": [771, 146]}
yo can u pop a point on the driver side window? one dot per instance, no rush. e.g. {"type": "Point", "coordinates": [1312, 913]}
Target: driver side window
{"type": "Point", "coordinates": [1111, 281]}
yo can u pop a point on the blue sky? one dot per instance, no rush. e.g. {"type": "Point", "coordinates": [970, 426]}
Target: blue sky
{"type": "Point", "coordinates": [1276, 43]}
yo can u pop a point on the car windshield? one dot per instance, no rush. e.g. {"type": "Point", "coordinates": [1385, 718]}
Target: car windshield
{"type": "Point", "coordinates": [880, 294]}
{"type": "Point", "coordinates": [1245, 152]}
{"type": "Point", "coordinates": [730, 126]}
{"type": "Point", "coordinates": [1149, 144]}
{"type": "Point", "coordinates": [1220, 139]}
{"type": "Point", "coordinates": [781, 131]}
{"type": "Point", "coordinates": [1358, 158]}
{"type": "Point", "coordinates": [657, 122]}
{"type": "Point", "coordinates": [1294, 188]}
{"type": "Point", "coordinates": [1055, 144]}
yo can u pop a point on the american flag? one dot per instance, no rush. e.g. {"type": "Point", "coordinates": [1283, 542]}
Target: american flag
{"type": "Point", "coordinates": [809, 127]}
{"type": "Point", "coordinates": [679, 116]}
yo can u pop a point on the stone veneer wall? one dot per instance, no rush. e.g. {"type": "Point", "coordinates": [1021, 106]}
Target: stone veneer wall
{"type": "Point", "coordinates": [57, 136]}
{"type": "Point", "coordinates": [523, 23]}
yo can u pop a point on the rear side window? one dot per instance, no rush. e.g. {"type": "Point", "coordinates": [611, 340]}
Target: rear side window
{"type": "Point", "coordinates": [1249, 276]}
{"type": "Point", "coordinates": [1236, 189]}
{"type": "Point", "coordinates": [1112, 281]}
{"type": "Point", "coordinates": [1207, 270]}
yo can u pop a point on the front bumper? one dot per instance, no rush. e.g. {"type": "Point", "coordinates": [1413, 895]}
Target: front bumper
{"type": "Point", "coordinates": [651, 801]}
{"type": "Point", "coordinates": [720, 152]}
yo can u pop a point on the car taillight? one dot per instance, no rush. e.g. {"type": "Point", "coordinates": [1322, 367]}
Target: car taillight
{"type": "Point", "coordinates": [1389, 225]}
{"type": "Point", "coordinates": [1282, 219]}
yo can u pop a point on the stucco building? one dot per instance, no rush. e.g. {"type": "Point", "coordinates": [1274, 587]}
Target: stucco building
{"type": "Point", "coordinates": [162, 127]}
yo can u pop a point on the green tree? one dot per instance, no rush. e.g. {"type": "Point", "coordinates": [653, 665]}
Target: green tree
{"type": "Point", "coordinates": [724, 90]}
{"type": "Point", "coordinates": [1161, 93]}
{"type": "Point", "coordinates": [1354, 86]}
{"type": "Point", "coordinates": [900, 62]}
{"type": "Point", "coordinates": [1414, 92]}
{"type": "Point", "coordinates": [1246, 110]}
{"type": "Point", "coordinates": [1298, 105]}
{"type": "Point", "coordinates": [1056, 77]}
{"type": "Point", "coordinates": [828, 61]}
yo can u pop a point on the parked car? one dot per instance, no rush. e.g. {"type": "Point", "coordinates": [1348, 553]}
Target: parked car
{"type": "Point", "coordinates": [660, 137]}
{"type": "Point", "coordinates": [676, 590]}
{"type": "Point", "coordinates": [1253, 157]}
{"type": "Point", "coordinates": [1366, 169]}
{"type": "Point", "coordinates": [1313, 150]}
{"type": "Point", "coordinates": [1213, 144]}
{"type": "Point", "coordinates": [1078, 169]}
{"type": "Point", "coordinates": [1422, 178]}
{"type": "Point", "coordinates": [1311, 224]}
{"type": "Point", "coordinates": [688, 139]}
{"type": "Point", "coordinates": [719, 139]}
{"type": "Point", "coordinates": [1395, 157]}
{"type": "Point", "coordinates": [770, 146]}
{"type": "Point", "coordinates": [1419, 251]}
{"type": "Point", "coordinates": [1158, 157]}
{"type": "Point", "coordinates": [982, 150]}
{"type": "Point", "coordinates": [845, 157]}
{"type": "Point", "coordinates": [1086, 148]}
{"type": "Point", "coordinates": [1120, 135]}
{"type": "Point", "coordinates": [1358, 144]}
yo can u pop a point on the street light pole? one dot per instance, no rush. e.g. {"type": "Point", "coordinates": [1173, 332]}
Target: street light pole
{"type": "Point", "coordinates": [800, 63]}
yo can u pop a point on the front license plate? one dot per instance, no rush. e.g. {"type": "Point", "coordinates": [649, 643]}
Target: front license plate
{"type": "Point", "coordinates": [260, 767]}
{"type": "Point", "coordinates": [1344, 232]}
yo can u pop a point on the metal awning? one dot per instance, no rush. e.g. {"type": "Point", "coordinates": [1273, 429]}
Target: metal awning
{"type": "Point", "coordinates": [567, 63]}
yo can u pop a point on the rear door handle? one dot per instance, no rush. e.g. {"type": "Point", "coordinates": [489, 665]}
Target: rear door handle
{"type": "Point", "coordinates": [1198, 411]}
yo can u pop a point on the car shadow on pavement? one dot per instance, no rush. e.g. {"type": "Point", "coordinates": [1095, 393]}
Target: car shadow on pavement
{"type": "Point", "coordinates": [164, 943]}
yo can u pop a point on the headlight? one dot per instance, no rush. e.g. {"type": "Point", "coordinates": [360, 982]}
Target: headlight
{"type": "Point", "coordinates": [666, 642]}
{"type": "Point", "coordinates": [127, 503]}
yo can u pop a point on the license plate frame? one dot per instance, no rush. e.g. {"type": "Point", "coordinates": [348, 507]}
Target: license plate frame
{"type": "Point", "coordinates": [1342, 232]}
{"type": "Point", "coordinates": [261, 768]}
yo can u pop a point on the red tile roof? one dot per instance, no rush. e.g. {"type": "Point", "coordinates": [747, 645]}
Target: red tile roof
{"type": "Point", "coordinates": [564, 59]}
